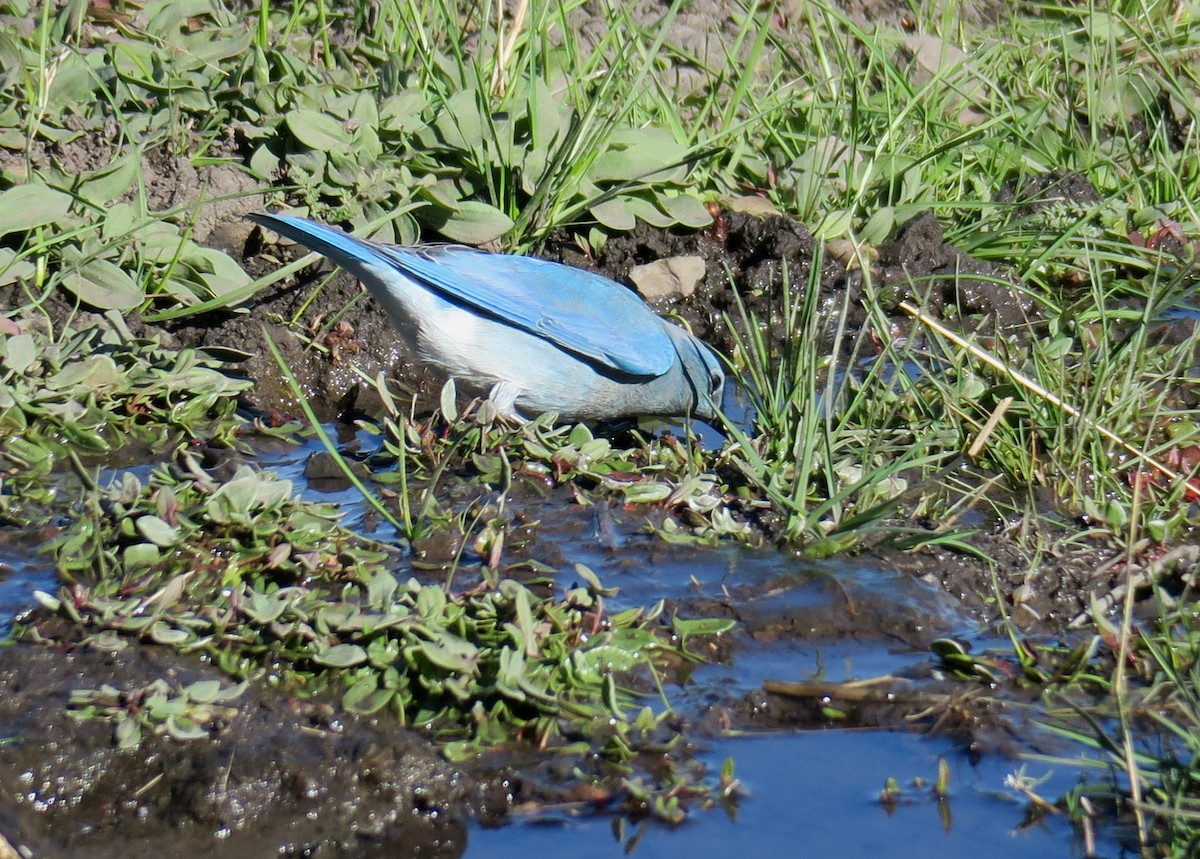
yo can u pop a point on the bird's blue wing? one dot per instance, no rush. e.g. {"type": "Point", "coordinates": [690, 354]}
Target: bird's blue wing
{"type": "Point", "coordinates": [578, 310]}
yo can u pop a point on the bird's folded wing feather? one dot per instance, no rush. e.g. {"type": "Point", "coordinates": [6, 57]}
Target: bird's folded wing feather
{"type": "Point", "coordinates": [576, 309]}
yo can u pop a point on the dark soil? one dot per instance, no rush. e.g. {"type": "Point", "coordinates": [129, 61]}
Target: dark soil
{"type": "Point", "coordinates": [279, 776]}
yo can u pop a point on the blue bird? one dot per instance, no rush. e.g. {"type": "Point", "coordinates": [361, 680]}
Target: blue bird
{"type": "Point", "coordinates": [533, 335]}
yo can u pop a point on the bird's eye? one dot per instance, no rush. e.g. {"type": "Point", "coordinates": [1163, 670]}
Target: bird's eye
{"type": "Point", "coordinates": [715, 381]}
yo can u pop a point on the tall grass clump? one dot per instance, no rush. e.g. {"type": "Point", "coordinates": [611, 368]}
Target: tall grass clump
{"type": "Point", "coordinates": [834, 447]}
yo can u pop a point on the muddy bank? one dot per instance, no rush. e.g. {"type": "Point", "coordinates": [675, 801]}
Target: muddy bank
{"type": "Point", "coordinates": [282, 776]}
{"type": "Point", "coordinates": [276, 775]}
{"type": "Point", "coordinates": [332, 334]}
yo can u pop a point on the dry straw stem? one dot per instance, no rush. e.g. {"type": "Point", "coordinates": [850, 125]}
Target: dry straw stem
{"type": "Point", "coordinates": [1050, 397]}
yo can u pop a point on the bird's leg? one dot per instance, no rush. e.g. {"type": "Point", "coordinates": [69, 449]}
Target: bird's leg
{"type": "Point", "coordinates": [504, 400]}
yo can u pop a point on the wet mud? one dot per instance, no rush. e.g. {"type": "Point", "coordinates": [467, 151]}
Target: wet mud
{"type": "Point", "coordinates": [276, 775]}
{"type": "Point", "coordinates": [280, 776]}
{"type": "Point", "coordinates": [287, 777]}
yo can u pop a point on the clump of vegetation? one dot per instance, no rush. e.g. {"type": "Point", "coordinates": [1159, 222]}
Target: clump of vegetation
{"type": "Point", "coordinates": [92, 392]}
{"type": "Point", "coordinates": [185, 714]}
{"type": "Point", "coordinates": [261, 582]}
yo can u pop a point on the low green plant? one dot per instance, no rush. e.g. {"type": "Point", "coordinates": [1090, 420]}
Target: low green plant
{"type": "Point", "coordinates": [1141, 741]}
{"type": "Point", "coordinates": [95, 390]}
{"type": "Point", "coordinates": [654, 472]}
{"type": "Point", "coordinates": [500, 143]}
{"type": "Point", "coordinates": [88, 227]}
{"type": "Point", "coordinates": [106, 252]}
{"type": "Point", "coordinates": [183, 713]}
{"type": "Point", "coordinates": [1059, 410]}
{"type": "Point", "coordinates": [262, 582]}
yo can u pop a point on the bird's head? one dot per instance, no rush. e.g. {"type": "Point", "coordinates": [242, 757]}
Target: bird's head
{"type": "Point", "coordinates": [702, 373]}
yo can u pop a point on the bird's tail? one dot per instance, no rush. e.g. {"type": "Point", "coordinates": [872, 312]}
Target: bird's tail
{"type": "Point", "coordinates": [344, 249]}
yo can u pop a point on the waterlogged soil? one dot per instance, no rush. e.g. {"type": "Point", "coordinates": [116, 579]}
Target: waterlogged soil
{"type": "Point", "coordinates": [290, 777]}
{"type": "Point", "coordinates": [278, 776]}
{"type": "Point", "coordinates": [284, 776]}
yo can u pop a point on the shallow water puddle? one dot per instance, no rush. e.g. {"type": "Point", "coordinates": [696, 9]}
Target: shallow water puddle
{"type": "Point", "coordinates": [817, 794]}
{"type": "Point", "coordinates": [812, 792]}
{"type": "Point", "coordinates": [22, 572]}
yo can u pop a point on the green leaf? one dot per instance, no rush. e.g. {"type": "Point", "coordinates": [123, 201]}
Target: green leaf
{"type": "Point", "coordinates": [644, 210]}
{"type": "Point", "coordinates": [580, 435]}
{"type": "Point", "coordinates": [614, 214]}
{"type": "Point", "coordinates": [365, 696]}
{"type": "Point", "coordinates": [593, 581]}
{"type": "Point", "coordinates": [703, 625]}
{"type": "Point", "coordinates": [879, 226]}
{"type": "Point", "coordinates": [158, 242]}
{"type": "Point", "coordinates": [594, 663]}
{"type": "Point", "coordinates": [203, 691]}
{"type": "Point", "coordinates": [474, 223]}
{"type": "Point", "coordinates": [512, 675]}
{"type": "Point", "coordinates": [158, 532]}
{"type": "Point", "coordinates": [264, 608]}
{"type": "Point", "coordinates": [431, 602]}
{"type": "Point", "coordinates": [449, 401]}
{"type": "Point", "coordinates": [128, 733]}
{"type": "Point", "coordinates": [230, 693]}
{"type": "Point", "coordinates": [686, 210]}
{"type": "Point", "coordinates": [450, 654]}
{"type": "Point", "coordinates": [97, 372]}
{"type": "Point", "coordinates": [26, 207]}
{"type": "Point", "coordinates": [835, 225]}
{"type": "Point", "coordinates": [13, 269]}
{"type": "Point", "coordinates": [74, 81]}
{"type": "Point", "coordinates": [47, 601]}
{"type": "Point", "coordinates": [545, 115]}
{"type": "Point", "coordinates": [647, 492]}
{"type": "Point", "coordinates": [402, 112]}
{"type": "Point", "coordinates": [219, 271]}
{"type": "Point", "coordinates": [162, 633]}
{"type": "Point", "coordinates": [381, 590]}
{"type": "Point", "coordinates": [18, 352]}
{"type": "Point", "coordinates": [183, 728]}
{"type": "Point", "coordinates": [636, 154]}
{"type": "Point", "coordinates": [525, 617]}
{"type": "Point", "coordinates": [318, 131]}
{"type": "Point", "coordinates": [108, 183]}
{"type": "Point", "coordinates": [460, 122]}
{"type": "Point", "coordinates": [264, 163]}
{"type": "Point", "coordinates": [211, 51]}
{"type": "Point", "coordinates": [141, 555]}
{"type": "Point", "coordinates": [11, 60]}
{"type": "Point", "coordinates": [103, 285]}
{"type": "Point", "coordinates": [341, 656]}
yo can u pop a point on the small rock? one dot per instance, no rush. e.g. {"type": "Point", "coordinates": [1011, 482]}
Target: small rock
{"type": "Point", "coordinates": [674, 276]}
{"type": "Point", "coordinates": [851, 254]}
